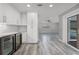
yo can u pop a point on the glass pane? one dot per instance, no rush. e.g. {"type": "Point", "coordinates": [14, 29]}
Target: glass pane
{"type": "Point", "coordinates": [73, 25]}
{"type": "Point", "coordinates": [72, 28]}
{"type": "Point", "coordinates": [7, 45]}
{"type": "Point", "coordinates": [17, 40]}
{"type": "Point", "coordinates": [72, 34]}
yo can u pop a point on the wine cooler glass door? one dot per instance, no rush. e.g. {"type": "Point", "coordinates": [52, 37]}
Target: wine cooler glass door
{"type": "Point", "coordinates": [17, 41]}
{"type": "Point", "coordinates": [7, 45]}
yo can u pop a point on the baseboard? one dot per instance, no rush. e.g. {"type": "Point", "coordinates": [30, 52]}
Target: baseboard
{"type": "Point", "coordinates": [30, 43]}
{"type": "Point", "coordinates": [69, 45]}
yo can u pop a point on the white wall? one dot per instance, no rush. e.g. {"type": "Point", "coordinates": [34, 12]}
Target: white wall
{"type": "Point", "coordinates": [60, 27]}
{"type": "Point", "coordinates": [53, 28]}
{"type": "Point", "coordinates": [45, 12]}
{"type": "Point", "coordinates": [64, 23]}
{"type": "Point", "coordinates": [47, 15]}
{"type": "Point", "coordinates": [4, 28]}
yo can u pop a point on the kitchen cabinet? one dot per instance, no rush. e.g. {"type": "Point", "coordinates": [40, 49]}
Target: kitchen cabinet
{"type": "Point", "coordinates": [24, 37]}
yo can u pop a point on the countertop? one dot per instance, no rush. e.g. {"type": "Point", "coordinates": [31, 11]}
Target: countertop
{"type": "Point", "coordinates": [5, 34]}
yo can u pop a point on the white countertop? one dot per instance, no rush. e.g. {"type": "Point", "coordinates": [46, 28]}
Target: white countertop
{"type": "Point", "coordinates": [5, 34]}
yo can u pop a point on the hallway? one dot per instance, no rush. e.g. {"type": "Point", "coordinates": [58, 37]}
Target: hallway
{"type": "Point", "coordinates": [48, 45]}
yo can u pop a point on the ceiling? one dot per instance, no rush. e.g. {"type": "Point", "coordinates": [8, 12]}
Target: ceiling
{"type": "Point", "coordinates": [45, 12]}
{"type": "Point", "coordinates": [22, 7]}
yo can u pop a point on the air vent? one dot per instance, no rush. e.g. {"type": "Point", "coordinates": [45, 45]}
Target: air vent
{"type": "Point", "coordinates": [45, 26]}
{"type": "Point", "coordinates": [40, 5]}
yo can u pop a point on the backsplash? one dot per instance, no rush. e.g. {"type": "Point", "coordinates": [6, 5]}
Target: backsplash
{"type": "Point", "coordinates": [8, 28]}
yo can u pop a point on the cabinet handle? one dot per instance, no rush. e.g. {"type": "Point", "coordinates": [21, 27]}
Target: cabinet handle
{"type": "Point", "coordinates": [4, 19]}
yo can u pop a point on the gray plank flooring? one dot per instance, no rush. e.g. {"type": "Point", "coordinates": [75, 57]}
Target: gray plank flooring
{"type": "Point", "coordinates": [48, 45]}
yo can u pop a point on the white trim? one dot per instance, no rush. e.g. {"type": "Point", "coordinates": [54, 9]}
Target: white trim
{"type": "Point", "coordinates": [72, 40]}
{"type": "Point", "coordinates": [68, 45]}
{"type": "Point", "coordinates": [73, 47]}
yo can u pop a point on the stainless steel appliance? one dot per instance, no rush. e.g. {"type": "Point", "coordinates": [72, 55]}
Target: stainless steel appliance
{"type": "Point", "coordinates": [18, 40]}
{"type": "Point", "coordinates": [7, 44]}
{"type": "Point", "coordinates": [11, 43]}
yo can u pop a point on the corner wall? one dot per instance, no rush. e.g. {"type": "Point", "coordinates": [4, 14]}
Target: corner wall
{"type": "Point", "coordinates": [64, 23]}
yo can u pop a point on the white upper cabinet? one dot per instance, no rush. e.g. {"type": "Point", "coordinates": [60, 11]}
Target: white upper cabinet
{"type": "Point", "coordinates": [9, 15]}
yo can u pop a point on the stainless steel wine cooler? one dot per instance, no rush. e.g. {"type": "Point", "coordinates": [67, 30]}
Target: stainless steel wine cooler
{"type": "Point", "coordinates": [9, 44]}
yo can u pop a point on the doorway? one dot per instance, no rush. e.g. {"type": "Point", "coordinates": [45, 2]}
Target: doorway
{"type": "Point", "coordinates": [73, 30]}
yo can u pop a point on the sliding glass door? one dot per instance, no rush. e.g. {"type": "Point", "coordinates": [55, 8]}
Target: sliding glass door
{"type": "Point", "coordinates": [72, 30]}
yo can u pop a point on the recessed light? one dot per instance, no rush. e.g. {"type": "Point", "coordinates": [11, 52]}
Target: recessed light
{"type": "Point", "coordinates": [50, 5]}
{"type": "Point", "coordinates": [28, 5]}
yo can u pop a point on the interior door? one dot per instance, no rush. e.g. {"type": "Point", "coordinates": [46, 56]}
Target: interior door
{"type": "Point", "coordinates": [72, 30]}
{"type": "Point", "coordinates": [35, 27]}
{"type": "Point", "coordinates": [32, 27]}
{"type": "Point", "coordinates": [29, 28]}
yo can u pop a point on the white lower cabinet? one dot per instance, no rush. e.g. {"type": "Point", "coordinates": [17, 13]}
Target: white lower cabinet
{"type": "Point", "coordinates": [24, 37]}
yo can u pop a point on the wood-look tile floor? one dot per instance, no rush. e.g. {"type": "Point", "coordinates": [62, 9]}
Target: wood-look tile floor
{"type": "Point", "coordinates": [48, 45]}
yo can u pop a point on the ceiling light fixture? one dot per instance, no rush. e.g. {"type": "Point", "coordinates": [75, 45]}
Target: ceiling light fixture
{"type": "Point", "coordinates": [50, 5]}
{"type": "Point", "coordinates": [28, 5]}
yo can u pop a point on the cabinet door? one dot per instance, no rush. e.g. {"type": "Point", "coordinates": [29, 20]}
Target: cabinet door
{"type": "Point", "coordinates": [24, 37]}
